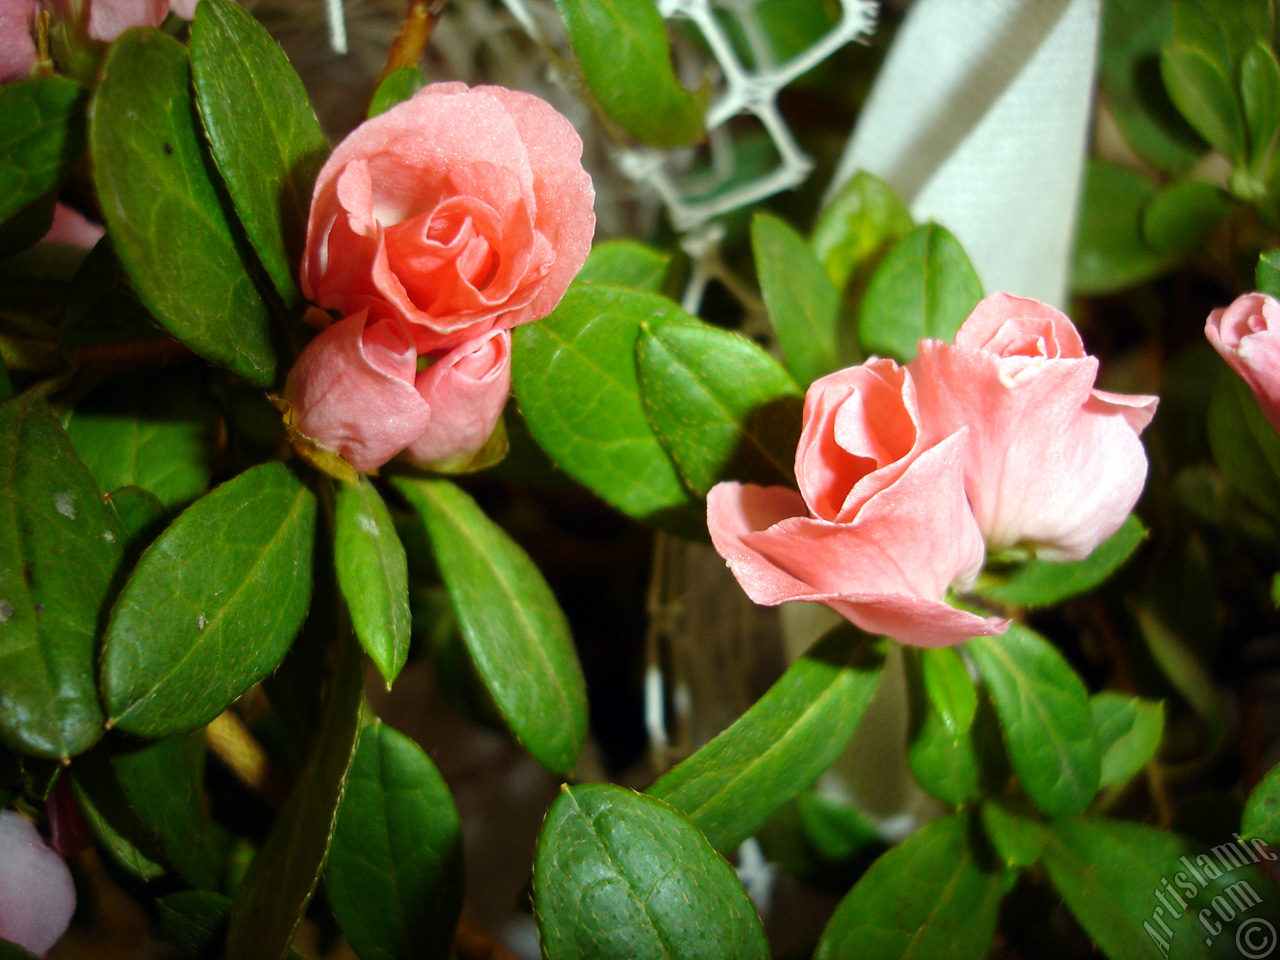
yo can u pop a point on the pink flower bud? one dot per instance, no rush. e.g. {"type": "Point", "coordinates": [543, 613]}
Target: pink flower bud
{"type": "Point", "coordinates": [466, 390]}
{"type": "Point", "coordinates": [881, 528]}
{"type": "Point", "coordinates": [37, 896]}
{"type": "Point", "coordinates": [17, 48]}
{"type": "Point", "coordinates": [1052, 464]}
{"type": "Point", "coordinates": [1247, 334]}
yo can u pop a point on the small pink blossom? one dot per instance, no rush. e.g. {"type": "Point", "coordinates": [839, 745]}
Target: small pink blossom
{"type": "Point", "coordinates": [1247, 334]}
{"type": "Point", "coordinates": [37, 896]}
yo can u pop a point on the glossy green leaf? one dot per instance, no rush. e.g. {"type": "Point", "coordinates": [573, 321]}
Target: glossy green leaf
{"type": "Point", "coordinates": [1129, 77]}
{"type": "Point", "coordinates": [950, 688]}
{"type": "Point", "coordinates": [400, 84]}
{"type": "Point", "coordinates": [1110, 251]}
{"type": "Point", "coordinates": [1267, 274]}
{"type": "Point", "coordinates": [212, 606]}
{"type": "Point", "coordinates": [722, 407]}
{"type": "Point", "coordinates": [59, 551]}
{"type": "Point", "coordinates": [926, 899]}
{"type": "Point", "coordinates": [622, 876]}
{"type": "Point", "coordinates": [1244, 446]}
{"type": "Point", "coordinates": [262, 132]}
{"type": "Point", "coordinates": [1179, 217]}
{"type": "Point", "coordinates": [373, 575]}
{"type": "Point", "coordinates": [924, 287]}
{"type": "Point", "coordinates": [175, 240]}
{"type": "Point", "coordinates": [111, 823]}
{"type": "Point", "coordinates": [1017, 839]}
{"type": "Point", "coordinates": [1129, 731]}
{"type": "Point", "coordinates": [148, 799]}
{"type": "Point", "coordinates": [394, 871]}
{"type": "Point", "coordinates": [1122, 881]}
{"type": "Point", "coordinates": [803, 303]}
{"type": "Point", "coordinates": [514, 629]}
{"type": "Point", "coordinates": [859, 223]}
{"type": "Point", "coordinates": [195, 921]}
{"type": "Point", "coordinates": [1039, 583]}
{"type": "Point", "coordinates": [1261, 816]}
{"type": "Point", "coordinates": [1205, 96]}
{"type": "Point", "coordinates": [1260, 95]}
{"type": "Point", "coordinates": [625, 263]}
{"type": "Point", "coordinates": [781, 745]}
{"type": "Point", "coordinates": [574, 373]}
{"type": "Point", "coordinates": [283, 875]}
{"type": "Point", "coordinates": [152, 431]}
{"type": "Point", "coordinates": [1044, 711]}
{"type": "Point", "coordinates": [625, 56]}
{"type": "Point", "coordinates": [41, 136]}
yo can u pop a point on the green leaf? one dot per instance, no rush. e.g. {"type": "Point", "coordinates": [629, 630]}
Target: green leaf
{"type": "Point", "coordinates": [110, 824]}
{"type": "Point", "coordinates": [101, 308]}
{"type": "Point", "coordinates": [950, 688]}
{"type": "Point", "coordinates": [11, 951]}
{"type": "Point", "coordinates": [514, 629]}
{"type": "Point", "coordinates": [152, 430]}
{"type": "Point", "coordinates": [195, 921]}
{"type": "Point", "coordinates": [138, 513]}
{"type": "Point", "coordinates": [923, 288]}
{"type": "Point", "coordinates": [926, 899]}
{"type": "Point", "coordinates": [1044, 711]}
{"type": "Point", "coordinates": [863, 219]}
{"type": "Point", "coordinates": [574, 373]}
{"type": "Point", "coordinates": [262, 132]}
{"type": "Point", "coordinates": [1039, 583]}
{"type": "Point", "coordinates": [1203, 92]}
{"type": "Point", "coordinates": [59, 551]}
{"type": "Point", "coordinates": [1129, 731]}
{"type": "Point", "coordinates": [1261, 816]}
{"type": "Point", "coordinates": [172, 235]}
{"type": "Point", "coordinates": [212, 606]}
{"type": "Point", "coordinates": [148, 800]}
{"type": "Point", "coordinates": [622, 876]}
{"type": "Point", "coordinates": [803, 303]}
{"type": "Point", "coordinates": [1123, 882]}
{"type": "Point", "coordinates": [1110, 252]}
{"type": "Point", "coordinates": [722, 407]}
{"type": "Point", "coordinates": [394, 871]}
{"type": "Point", "coordinates": [373, 575]}
{"type": "Point", "coordinates": [283, 875]}
{"type": "Point", "coordinates": [780, 746]}
{"type": "Point", "coordinates": [625, 263]}
{"type": "Point", "coordinates": [1267, 274]}
{"type": "Point", "coordinates": [1017, 839]}
{"type": "Point", "coordinates": [1260, 94]}
{"type": "Point", "coordinates": [41, 136]}
{"type": "Point", "coordinates": [1179, 217]}
{"type": "Point", "coordinates": [400, 84]}
{"type": "Point", "coordinates": [1244, 446]}
{"type": "Point", "coordinates": [625, 56]}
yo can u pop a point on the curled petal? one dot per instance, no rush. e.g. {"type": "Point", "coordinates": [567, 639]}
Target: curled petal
{"type": "Point", "coordinates": [466, 390]}
{"type": "Point", "coordinates": [1247, 335]}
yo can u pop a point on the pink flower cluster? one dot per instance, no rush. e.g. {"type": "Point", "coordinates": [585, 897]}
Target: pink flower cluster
{"type": "Point", "coordinates": [904, 472]}
{"type": "Point", "coordinates": [435, 228]}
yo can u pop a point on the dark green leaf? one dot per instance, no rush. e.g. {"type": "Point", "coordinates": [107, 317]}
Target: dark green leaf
{"type": "Point", "coordinates": [1260, 94]}
{"type": "Point", "coordinates": [955, 764]}
{"type": "Point", "coordinates": [1261, 816]}
{"type": "Point", "coordinates": [196, 922]}
{"type": "Point", "coordinates": [722, 407]}
{"type": "Point", "coordinates": [138, 513]}
{"type": "Point", "coordinates": [212, 606]}
{"type": "Point", "coordinates": [1180, 216]}
{"type": "Point", "coordinates": [1016, 838]}
{"type": "Point", "coordinates": [1110, 252]}
{"type": "Point", "coordinates": [924, 287]}
{"type": "Point", "coordinates": [1267, 275]}
{"type": "Point", "coordinates": [1044, 711]}
{"type": "Point", "coordinates": [779, 747]}
{"type": "Point", "coordinates": [11, 951]}
{"type": "Point", "coordinates": [864, 218]}
{"type": "Point", "coordinates": [625, 263]}
{"type": "Point", "coordinates": [1129, 731]}
{"type": "Point", "coordinates": [803, 303]}
{"type": "Point", "coordinates": [399, 85]}
{"type": "Point", "coordinates": [574, 373]}
{"type": "Point", "coordinates": [514, 629]}
{"type": "Point", "coordinates": [622, 876]}
{"type": "Point", "coordinates": [150, 431]}
{"type": "Point", "coordinates": [1244, 446]}
{"type": "Point", "coordinates": [148, 804]}
{"type": "Point", "coordinates": [1039, 583]}
{"type": "Point", "coordinates": [41, 136]}
{"type": "Point", "coordinates": [59, 551]}
{"type": "Point", "coordinates": [280, 880]}
{"type": "Point", "coordinates": [373, 575]}
{"type": "Point", "coordinates": [1204, 94]}
{"type": "Point", "coordinates": [101, 308]}
{"type": "Point", "coordinates": [1179, 663]}
{"type": "Point", "coordinates": [262, 131]}
{"type": "Point", "coordinates": [625, 56]}
{"type": "Point", "coordinates": [172, 235]}
{"type": "Point", "coordinates": [926, 899]}
{"type": "Point", "coordinates": [394, 871]}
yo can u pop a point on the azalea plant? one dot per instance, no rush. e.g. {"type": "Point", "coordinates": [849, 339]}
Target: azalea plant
{"type": "Point", "coordinates": [264, 483]}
